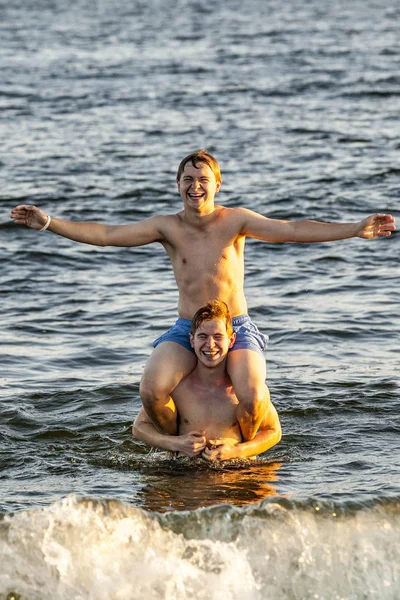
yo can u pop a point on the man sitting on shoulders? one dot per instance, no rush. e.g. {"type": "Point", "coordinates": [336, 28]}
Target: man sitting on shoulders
{"type": "Point", "coordinates": [206, 402]}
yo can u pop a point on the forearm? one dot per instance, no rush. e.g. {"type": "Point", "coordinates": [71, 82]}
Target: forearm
{"type": "Point", "coordinates": [87, 233]}
{"type": "Point", "coordinates": [262, 441]}
{"type": "Point", "coordinates": [269, 434]}
{"type": "Point", "coordinates": [147, 433]}
{"type": "Point", "coordinates": [315, 231]}
{"type": "Point", "coordinates": [134, 234]}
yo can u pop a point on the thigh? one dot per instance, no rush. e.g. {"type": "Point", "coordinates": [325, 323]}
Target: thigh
{"type": "Point", "coordinates": [168, 364]}
{"type": "Point", "coordinates": [247, 370]}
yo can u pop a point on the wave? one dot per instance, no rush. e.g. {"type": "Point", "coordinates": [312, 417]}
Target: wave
{"type": "Point", "coordinates": [86, 548]}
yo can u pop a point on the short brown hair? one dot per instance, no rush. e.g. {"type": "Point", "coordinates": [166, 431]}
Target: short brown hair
{"type": "Point", "coordinates": [216, 309]}
{"type": "Point", "coordinates": [201, 156]}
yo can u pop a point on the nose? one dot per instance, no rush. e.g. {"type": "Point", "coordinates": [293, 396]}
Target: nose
{"type": "Point", "coordinates": [196, 184]}
{"type": "Point", "coordinates": [210, 343]}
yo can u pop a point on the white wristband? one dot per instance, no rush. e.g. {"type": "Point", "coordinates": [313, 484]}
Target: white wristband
{"type": "Point", "coordinates": [46, 224]}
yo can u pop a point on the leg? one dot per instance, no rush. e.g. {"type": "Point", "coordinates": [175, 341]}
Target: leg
{"type": "Point", "coordinates": [247, 370]}
{"type": "Point", "coordinates": [167, 366]}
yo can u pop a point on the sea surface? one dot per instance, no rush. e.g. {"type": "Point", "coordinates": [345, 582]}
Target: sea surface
{"type": "Point", "coordinates": [99, 101]}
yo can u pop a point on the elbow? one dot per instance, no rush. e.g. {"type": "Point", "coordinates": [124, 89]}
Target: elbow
{"type": "Point", "coordinates": [106, 236]}
{"type": "Point", "coordinates": [278, 433]}
{"type": "Point", "coordinates": [294, 235]}
{"type": "Point", "coordinates": [105, 239]}
{"type": "Point", "coordinates": [136, 431]}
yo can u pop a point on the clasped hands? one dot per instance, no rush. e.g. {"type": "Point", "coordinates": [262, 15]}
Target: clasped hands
{"type": "Point", "coordinates": [195, 444]}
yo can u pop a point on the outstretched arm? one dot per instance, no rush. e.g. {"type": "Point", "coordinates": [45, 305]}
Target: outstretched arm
{"type": "Point", "coordinates": [273, 230]}
{"type": "Point", "coordinates": [136, 234]}
{"type": "Point", "coordinates": [190, 444]}
{"type": "Point", "coordinates": [269, 434]}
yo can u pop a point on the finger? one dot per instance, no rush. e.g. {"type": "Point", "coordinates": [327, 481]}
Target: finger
{"type": "Point", "coordinates": [208, 455]}
{"type": "Point", "coordinates": [211, 453]}
{"type": "Point", "coordinates": [199, 441]}
{"type": "Point", "coordinates": [215, 442]}
{"type": "Point", "coordinates": [385, 216]}
{"type": "Point", "coordinates": [25, 207]}
{"type": "Point", "coordinates": [385, 230]}
{"type": "Point", "coordinates": [199, 446]}
{"type": "Point", "coordinates": [196, 433]}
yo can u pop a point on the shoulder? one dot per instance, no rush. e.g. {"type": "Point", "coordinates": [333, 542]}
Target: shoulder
{"type": "Point", "coordinates": [165, 222]}
{"type": "Point", "coordinates": [231, 214]}
{"type": "Point", "coordinates": [236, 214]}
{"type": "Point", "coordinates": [236, 218]}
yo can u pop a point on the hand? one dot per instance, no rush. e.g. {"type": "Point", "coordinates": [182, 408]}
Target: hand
{"type": "Point", "coordinates": [376, 226]}
{"type": "Point", "coordinates": [220, 450]}
{"type": "Point", "coordinates": [192, 443]}
{"type": "Point", "coordinates": [28, 215]}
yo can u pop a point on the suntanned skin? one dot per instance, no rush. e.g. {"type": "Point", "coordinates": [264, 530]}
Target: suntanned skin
{"type": "Point", "coordinates": [205, 243]}
{"type": "Point", "coordinates": [207, 406]}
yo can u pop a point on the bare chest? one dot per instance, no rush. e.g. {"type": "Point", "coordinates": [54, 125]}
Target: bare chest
{"type": "Point", "coordinates": [201, 409]}
{"type": "Point", "coordinates": [209, 248]}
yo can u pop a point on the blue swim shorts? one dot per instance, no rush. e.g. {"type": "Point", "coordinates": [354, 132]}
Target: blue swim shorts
{"type": "Point", "coordinates": [247, 335]}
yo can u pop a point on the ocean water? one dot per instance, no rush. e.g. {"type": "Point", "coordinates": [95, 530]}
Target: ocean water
{"type": "Point", "coordinates": [99, 102]}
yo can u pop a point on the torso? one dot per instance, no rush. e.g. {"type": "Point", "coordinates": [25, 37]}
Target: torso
{"type": "Point", "coordinates": [207, 261]}
{"type": "Point", "coordinates": [212, 409]}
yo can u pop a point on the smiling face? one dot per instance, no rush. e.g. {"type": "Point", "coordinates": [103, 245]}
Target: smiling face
{"type": "Point", "coordinates": [198, 186]}
{"type": "Point", "coordinates": [211, 342]}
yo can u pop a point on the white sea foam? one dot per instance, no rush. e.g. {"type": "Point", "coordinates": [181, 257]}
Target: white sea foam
{"type": "Point", "coordinates": [86, 549]}
{"type": "Point", "coordinates": [108, 551]}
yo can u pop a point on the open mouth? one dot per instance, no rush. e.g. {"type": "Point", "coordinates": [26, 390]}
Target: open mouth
{"type": "Point", "coordinates": [211, 354]}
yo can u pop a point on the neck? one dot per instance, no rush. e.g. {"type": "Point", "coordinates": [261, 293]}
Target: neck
{"type": "Point", "coordinates": [195, 217]}
{"type": "Point", "coordinates": [211, 375]}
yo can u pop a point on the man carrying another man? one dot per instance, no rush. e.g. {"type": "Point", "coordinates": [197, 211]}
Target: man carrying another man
{"type": "Point", "coordinates": [206, 402]}
{"type": "Point", "coordinates": [205, 243]}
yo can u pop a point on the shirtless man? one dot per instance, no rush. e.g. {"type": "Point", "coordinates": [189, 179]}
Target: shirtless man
{"type": "Point", "coordinates": [206, 401]}
{"type": "Point", "coordinates": [205, 243]}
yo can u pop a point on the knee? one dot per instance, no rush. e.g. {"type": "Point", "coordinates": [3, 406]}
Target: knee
{"type": "Point", "coordinates": [254, 399]}
{"type": "Point", "coordinates": [151, 392]}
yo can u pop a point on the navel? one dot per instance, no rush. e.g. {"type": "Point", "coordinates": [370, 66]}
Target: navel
{"type": "Point", "coordinates": [185, 421]}
{"type": "Point", "coordinates": [184, 261]}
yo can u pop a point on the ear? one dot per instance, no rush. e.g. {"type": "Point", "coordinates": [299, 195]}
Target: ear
{"type": "Point", "coordinates": [232, 339]}
{"type": "Point", "coordinates": [218, 186]}
{"type": "Point", "coordinates": [191, 340]}
{"type": "Point", "coordinates": [178, 183]}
